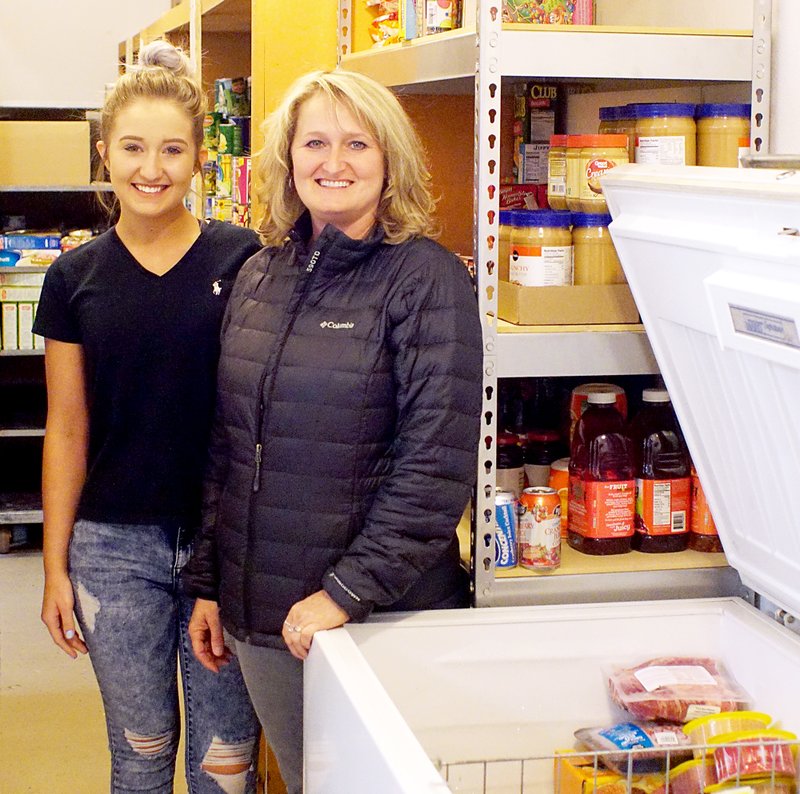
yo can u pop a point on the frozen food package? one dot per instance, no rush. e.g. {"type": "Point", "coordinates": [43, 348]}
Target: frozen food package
{"type": "Point", "coordinates": [675, 688]}
{"type": "Point", "coordinates": [654, 745]}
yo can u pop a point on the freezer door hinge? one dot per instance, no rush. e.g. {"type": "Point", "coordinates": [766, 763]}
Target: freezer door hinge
{"type": "Point", "coordinates": [778, 614]}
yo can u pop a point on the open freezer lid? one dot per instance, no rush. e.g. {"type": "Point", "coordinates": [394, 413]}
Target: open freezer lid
{"type": "Point", "coordinates": [712, 256]}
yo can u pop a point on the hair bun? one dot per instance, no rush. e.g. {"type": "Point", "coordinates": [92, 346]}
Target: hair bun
{"type": "Point", "coordinates": [162, 53]}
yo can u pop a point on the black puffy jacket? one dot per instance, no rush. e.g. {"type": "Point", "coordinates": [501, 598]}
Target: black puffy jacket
{"type": "Point", "coordinates": [345, 446]}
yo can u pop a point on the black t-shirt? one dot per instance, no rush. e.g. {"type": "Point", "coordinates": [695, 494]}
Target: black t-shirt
{"type": "Point", "coordinates": [151, 345]}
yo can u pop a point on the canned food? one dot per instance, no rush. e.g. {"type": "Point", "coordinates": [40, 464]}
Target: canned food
{"type": "Point", "coordinates": [540, 529]}
{"type": "Point", "coordinates": [505, 539]}
{"type": "Point", "coordinates": [559, 480]}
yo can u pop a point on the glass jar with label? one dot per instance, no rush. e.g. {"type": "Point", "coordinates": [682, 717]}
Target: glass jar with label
{"type": "Point", "coordinates": [599, 154]}
{"type": "Point", "coordinates": [574, 146]}
{"type": "Point", "coordinates": [541, 249]}
{"type": "Point", "coordinates": [626, 125]}
{"type": "Point", "coordinates": [609, 120]}
{"type": "Point", "coordinates": [595, 258]}
{"type": "Point", "coordinates": [666, 134]}
{"type": "Point", "coordinates": [723, 134]}
{"type": "Point", "coordinates": [506, 219]}
{"type": "Point", "coordinates": [557, 172]}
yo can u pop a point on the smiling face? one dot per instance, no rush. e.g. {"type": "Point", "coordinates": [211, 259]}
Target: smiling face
{"type": "Point", "coordinates": [338, 167]}
{"type": "Point", "coordinates": [151, 158]}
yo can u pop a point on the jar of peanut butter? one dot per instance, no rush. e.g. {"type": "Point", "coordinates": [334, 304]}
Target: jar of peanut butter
{"type": "Point", "coordinates": [574, 146]}
{"type": "Point", "coordinates": [626, 125]}
{"type": "Point", "coordinates": [596, 260]}
{"type": "Point", "coordinates": [507, 220]}
{"type": "Point", "coordinates": [666, 134]}
{"type": "Point", "coordinates": [609, 120]}
{"type": "Point", "coordinates": [721, 128]}
{"type": "Point", "coordinates": [557, 172]}
{"type": "Point", "coordinates": [599, 153]}
{"type": "Point", "coordinates": [541, 249]}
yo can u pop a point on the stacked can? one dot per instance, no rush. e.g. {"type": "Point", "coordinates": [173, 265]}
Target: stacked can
{"type": "Point", "coordinates": [540, 529]}
{"type": "Point", "coordinates": [505, 542]}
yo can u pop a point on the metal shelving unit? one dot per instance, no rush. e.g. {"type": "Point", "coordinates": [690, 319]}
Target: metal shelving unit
{"type": "Point", "coordinates": [609, 58]}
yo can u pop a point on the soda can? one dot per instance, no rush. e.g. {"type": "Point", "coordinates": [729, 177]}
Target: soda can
{"type": "Point", "coordinates": [540, 529]}
{"type": "Point", "coordinates": [505, 539]}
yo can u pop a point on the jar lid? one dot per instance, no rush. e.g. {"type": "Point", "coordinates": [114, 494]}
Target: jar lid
{"type": "Point", "coordinates": [601, 397]}
{"type": "Point", "coordinates": [558, 140]}
{"type": "Point", "coordinates": [657, 109]}
{"type": "Point", "coordinates": [588, 219]}
{"type": "Point", "coordinates": [610, 113]}
{"type": "Point", "coordinates": [575, 141]}
{"type": "Point", "coordinates": [509, 217]}
{"type": "Point", "coordinates": [543, 434]}
{"type": "Point", "coordinates": [606, 141]}
{"type": "Point", "coordinates": [655, 396]}
{"type": "Point", "coordinates": [505, 439]}
{"type": "Point", "coordinates": [715, 110]}
{"type": "Point", "coordinates": [544, 218]}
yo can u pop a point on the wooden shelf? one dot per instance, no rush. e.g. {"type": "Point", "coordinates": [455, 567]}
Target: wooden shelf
{"type": "Point", "coordinates": [93, 187]}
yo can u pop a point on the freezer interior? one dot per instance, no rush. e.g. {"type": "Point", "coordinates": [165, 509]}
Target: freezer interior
{"type": "Point", "coordinates": [457, 701]}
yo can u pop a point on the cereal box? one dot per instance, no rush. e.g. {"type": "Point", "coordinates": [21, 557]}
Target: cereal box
{"type": "Point", "coordinates": [549, 12]}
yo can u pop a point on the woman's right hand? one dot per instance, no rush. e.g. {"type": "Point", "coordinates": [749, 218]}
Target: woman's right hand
{"type": "Point", "coordinates": [58, 604]}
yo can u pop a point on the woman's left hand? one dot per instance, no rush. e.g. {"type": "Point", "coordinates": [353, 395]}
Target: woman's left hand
{"type": "Point", "coordinates": [315, 613]}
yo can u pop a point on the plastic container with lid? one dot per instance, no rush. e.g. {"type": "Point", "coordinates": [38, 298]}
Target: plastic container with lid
{"type": "Point", "coordinates": [663, 476]}
{"type": "Point", "coordinates": [541, 249]}
{"type": "Point", "coordinates": [574, 147]}
{"type": "Point", "coordinates": [723, 132]}
{"type": "Point", "coordinates": [742, 755]}
{"type": "Point", "coordinates": [510, 464]}
{"type": "Point", "coordinates": [691, 777]}
{"type": "Point", "coordinates": [557, 172]}
{"type": "Point", "coordinates": [601, 480]}
{"type": "Point", "coordinates": [780, 785]}
{"type": "Point", "coordinates": [626, 125]}
{"type": "Point", "coordinates": [609, 120]}
{"type": "Point", "coordinates": [666, 133]}
{"type": "Point", "coordinates": [703, 534]}
{"type": "Point", "coordinates": [701, 730]}
{"type": "Point", "coordinates": [506, 219]}
{"type": "Point", "coordinates": [595, 258]}
{"type": "Point", "coordinates": [542, 447]}
{"type": "Point", "coordinates": [599, 154]}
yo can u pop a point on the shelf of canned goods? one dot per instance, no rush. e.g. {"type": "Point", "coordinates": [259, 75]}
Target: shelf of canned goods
{"type": "Point", "coordinates": [721, 44]}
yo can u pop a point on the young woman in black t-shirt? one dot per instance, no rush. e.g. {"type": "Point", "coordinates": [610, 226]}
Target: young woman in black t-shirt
{"type": "Point", "coordinates": [131, 321]}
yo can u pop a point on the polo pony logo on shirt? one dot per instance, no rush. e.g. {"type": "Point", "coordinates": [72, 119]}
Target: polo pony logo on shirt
{"type": "Point", "coordinates": [216, 288]}
{"type": "Point", "coordinates": [336, 326]}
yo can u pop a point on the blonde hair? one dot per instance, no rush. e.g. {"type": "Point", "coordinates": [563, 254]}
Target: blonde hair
{"type": "Point", "coordinates": [406, 205]}
{"type": "Point", "coordinates": [163, 72]}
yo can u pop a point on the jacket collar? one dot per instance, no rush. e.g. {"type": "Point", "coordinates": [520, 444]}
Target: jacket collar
{"type": "Point", "coordinates": [339, 252]}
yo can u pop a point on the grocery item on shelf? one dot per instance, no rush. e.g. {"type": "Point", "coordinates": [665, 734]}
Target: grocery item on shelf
{"type": "Point", "coordinates": [510, 464]}
{"type": "Point", "coordinates": [723, 133]}
{"type": "Point", "coordinates": [595, 258]}
{"type": "Point", "coordinates": [542, 447]}
{"type": "Point", "coordinates": [666, 133]}
{"type": "Point", "coordinates": [580, 395]}
{"type": "Point", "coordinates": [742, 755]}
{"type": "Point", "coordinates": [599, 154]}
{"type": "Point", "coordinates": [557, 172]}
{"type": "Point", "coordinates": [559, 481]}
{"type": "Point", "coordinates": [767, 785]}
{"type": "Point", "coordinates": [549, 12]}
{"type": "Point", "coordinates": [541, 249]}
{"type": "Point", "coordinates": [539, 529]}
{"type": "Point", "coordinates": [505, 512]}
{"type": "Point", "coordinates": [601, 479]}
{"type": "Point", "coordinates": [658, 746]}
{"type": "Point", "coordinates": [577, 774]}
{"type": "Point", "coordinates": [701, 730]}
{"type": "Point", "coordinates": [663, 476]}
{"type": "Point", "coordinates": [573, 161]}
{"type": "Point", "coordinates": [691, 777]}
{"type": "Point", "coordinates": [442, 15]}
{"type": "Point", "coordinates": [703, 534]}
{"type": "Point", "coordinates": [677, 689]}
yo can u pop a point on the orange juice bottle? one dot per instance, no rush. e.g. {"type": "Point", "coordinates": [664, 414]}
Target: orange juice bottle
{"type": "Point", "coordinates": [663, 476]}
{"type": "Point", "coordinates": [601, 480]}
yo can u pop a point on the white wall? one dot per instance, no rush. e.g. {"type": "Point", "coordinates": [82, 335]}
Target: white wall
{"type": "Point", "coordinates": [61, 53]}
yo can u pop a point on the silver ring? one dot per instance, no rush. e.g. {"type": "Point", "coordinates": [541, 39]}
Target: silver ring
{"type": "Point", "coordinates": [291, 628]}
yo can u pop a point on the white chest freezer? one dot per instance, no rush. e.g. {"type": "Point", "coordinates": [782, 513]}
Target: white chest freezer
{"type": "Point", "coordinates": [479, 700]}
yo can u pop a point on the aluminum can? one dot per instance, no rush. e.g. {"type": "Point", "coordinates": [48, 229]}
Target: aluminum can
{"type": "Point", "coordinates": [540, 529]}
{"type": "Point", "coordinates": [505, 540]}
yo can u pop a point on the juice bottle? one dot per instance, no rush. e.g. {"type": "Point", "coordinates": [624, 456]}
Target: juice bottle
{"type": "Point", "coordinates": [601, 480]}
{"type": "Point", "coordinates": [663, 476]}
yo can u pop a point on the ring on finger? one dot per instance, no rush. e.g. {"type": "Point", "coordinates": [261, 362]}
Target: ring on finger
{"type": "Point", "coordinates": [291, 628]}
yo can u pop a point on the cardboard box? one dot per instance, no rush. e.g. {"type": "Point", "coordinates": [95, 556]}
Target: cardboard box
{"type": "Point", "coordinates": [591, 304]}
{"type": "Point", "coordinates": [19, 294]}
{"type": "Point", "coordinates": [576, 775]}
{"type": "Point", "coordinates": [44, 153]}
{"type": "Point", "coordinates": [8, 323]}
{"type": "Point", "coordinates": [558, 12]}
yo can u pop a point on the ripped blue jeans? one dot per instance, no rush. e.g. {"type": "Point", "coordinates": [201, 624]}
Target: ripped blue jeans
{"type": "Point", "coordinates": [134, 620]}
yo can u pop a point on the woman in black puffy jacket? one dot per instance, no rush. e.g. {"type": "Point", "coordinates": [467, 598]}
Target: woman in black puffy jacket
{"type": "Point", "coordinates": [349, 397]}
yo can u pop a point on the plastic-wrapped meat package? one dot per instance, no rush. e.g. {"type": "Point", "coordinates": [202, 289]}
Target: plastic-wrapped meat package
{"type": "Point", "coordinates": [677, 689]}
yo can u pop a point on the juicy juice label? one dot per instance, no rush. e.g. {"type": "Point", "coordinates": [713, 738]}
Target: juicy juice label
{"type": "Point", "coordinates": [601, 509]}
{"type": "Point", "coordinates": [663, 506]}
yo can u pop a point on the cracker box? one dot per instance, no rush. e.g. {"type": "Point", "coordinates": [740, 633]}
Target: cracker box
{"type": "Point", "coordinates": [575, 774]}
{"type": "Point", "coordinates": [549, 12]}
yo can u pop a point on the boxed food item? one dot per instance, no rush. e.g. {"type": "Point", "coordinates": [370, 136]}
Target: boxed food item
{"type": "Point", "coordinates": [575, 774]}
{"type": "Point", "coordinates": [523, 197]}
{"type": "Point", "coordinates": [549, 12]}
{"type": "Point", "coordinates": [591, 304]}
{"type": "Point", "coordinates": [44, 153]}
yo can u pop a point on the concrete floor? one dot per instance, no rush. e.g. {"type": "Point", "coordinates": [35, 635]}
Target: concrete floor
{"type": "Point", "coordinates": [52, 731]}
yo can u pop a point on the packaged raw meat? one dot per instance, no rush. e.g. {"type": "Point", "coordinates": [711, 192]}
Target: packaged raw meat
{"type": "Point", "coordinates": [676, 689]}
{"type": "Point", "coordinates": [743, 755]}
{"type": "Point", "coordinates": [652, 744]}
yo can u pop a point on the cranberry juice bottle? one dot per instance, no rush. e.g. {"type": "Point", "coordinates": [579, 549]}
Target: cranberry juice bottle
{"type": "Point", "coordinates": [601, 480]}
{"type": "Point", "coordinates": [663, 476]}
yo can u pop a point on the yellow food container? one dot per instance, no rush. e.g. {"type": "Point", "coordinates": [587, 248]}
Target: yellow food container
{"type": "Point", "coordinates": [703, 729]}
